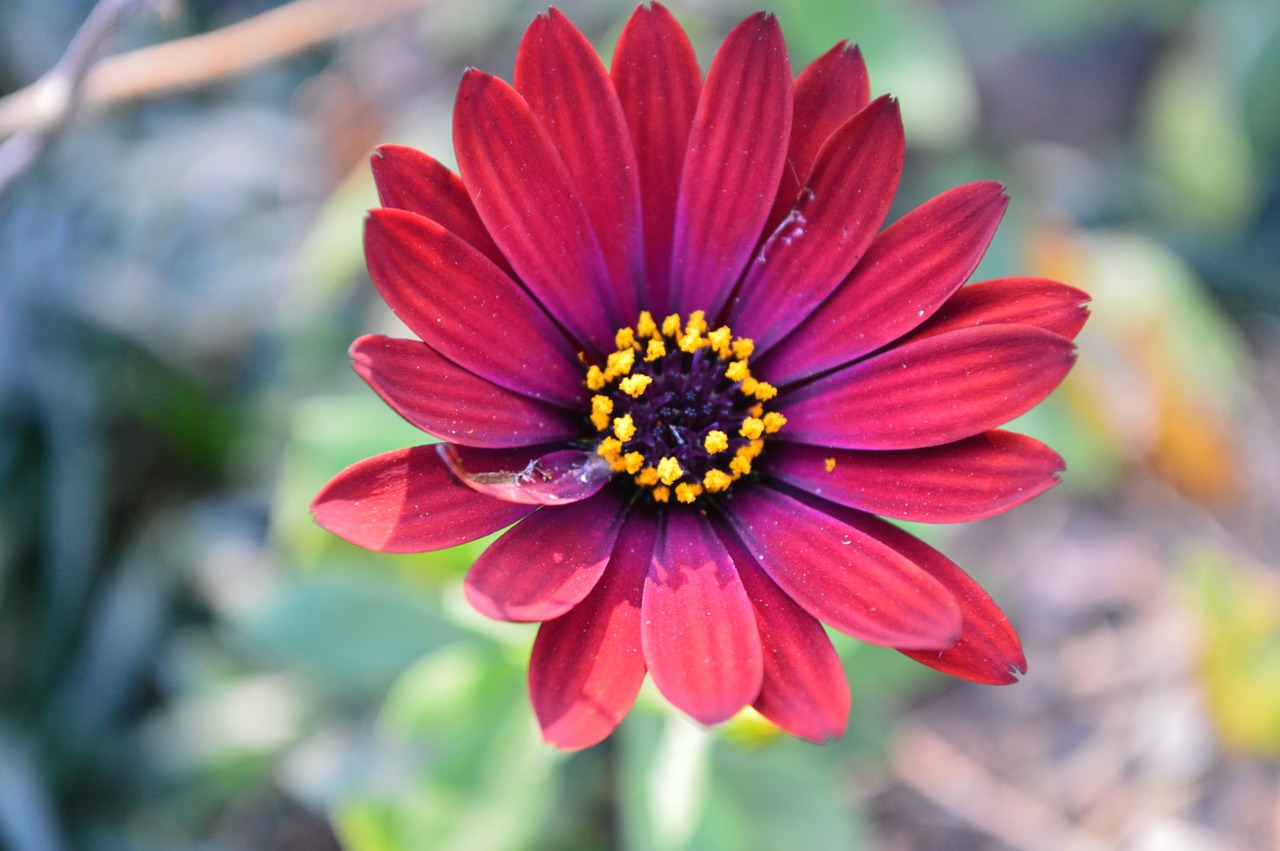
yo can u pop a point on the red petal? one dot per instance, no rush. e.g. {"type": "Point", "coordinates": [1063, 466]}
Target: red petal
{"type": "Point", "coordinates": [698, 629]}
{"type": "Point", "coordinates": [844, 202]}
{"type": "Point", "coordinates": [1013, 301]}
{"type": "Point", "coordinates": [407, 502]}
{"type": "Point", "coordinates": [527, 199]}
{"type": "Point", "coordinates": [840, 575]}
{"type": "Point", "coordinates": [988, 650]}
{"type": "Point", "coordinates": [930, 391]}
{"type": "Point", "coordinates": [953, 483]}
{"type": "Point", "coordinates": [566, 86]}
{"type": "Point", "coordinates": [462, 306]}
{"type": "Point", "coordinates": [658, 81]}
{"type": "Point", "coordinates": [529, 475]}
{"type": "Point", "coordinates": [829, 92]}
{"type": "Point", "coordinates": [737, 149]}
{"type": "Point", "coordinates": [445, 400]}
{"type": "Point", "coordinates": [547, 563]}
{"type": "Point", "coordinates": [805, 691]}
{"type": "Point", "coordinates": [907, 272]}
{"type": "Point", "coordinates": [586, 667]}
{"type": "Point", "coordinates": [408, 179]}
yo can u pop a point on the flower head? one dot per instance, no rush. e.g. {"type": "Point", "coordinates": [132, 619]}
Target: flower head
{"type": "Point", "coordinates": [663, 333]}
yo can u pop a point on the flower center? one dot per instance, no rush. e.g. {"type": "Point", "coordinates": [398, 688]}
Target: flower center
{"type": "Point", "coordinates": [678, 409]}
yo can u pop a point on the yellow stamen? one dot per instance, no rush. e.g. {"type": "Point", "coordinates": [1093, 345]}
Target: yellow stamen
{"type": "Point", "coordinates": [595, 378]}
{"type": "Point", "coordinates": [686, 492]}
{"type": "Point", "coordinates": [715, 441]}
{"type": "Point", "coordinates": [756, 410]}
{"type": "Point", "coordinates": [830, 464]}
{"type": "Point", "coordinates": [646, 326]}
{"type": "Point", "coordinates": [773, 421]}
{"type": "Point", "coordinates": [657, 349]}
{"type": "Point", "coordinates": [610, 449]}
{"type": "Point", "coordinates": [764, 391]}
{"type": "Point", "coordinates": [624, 427]}
{"type": "Point", "coordinates": [749, 386]}
{"type": "Point", "coordinates": [671, 326]}
{"type": "Point", "coordinates": [619, 363]}
{"type": "Point", "coordinates": [669, 470]}
{"type": "Point", "coordinates": [661, 493]}
{"type": "Point", "coordinates": [716, 480]}
{"type": "Point", "coordinates": [697, 323]}
{"type": "Point", "coordinates": [752, 428]}
{"type": "Point", "coordinates": [719, 340]}
{"type": "Point", "coordinates": [741, 463]}
{"type": "Point", "coordinates": [743, 348]}
{"type": "Point", "coordinates": [634, 461]}
{"type": "Point", "coordinates": [634, 385]}
{"type": "Point", "coordinates": [624, 339]}
{"type": "Point", "coordinates": [737, 371]}
{"type": "Point", "coordinates": [648, 477]}
{"type": "Point", "coordinates": [601, 408]}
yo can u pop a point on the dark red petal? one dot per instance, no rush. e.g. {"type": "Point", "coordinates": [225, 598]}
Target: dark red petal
{"type": "Point", "coordinates": [408, 502]}
{"type": "Point", "coordinates": [843, 204]}
{"type": "Point", "coordinates": [587, 667]}
{"type": "Point", "coordinates": [445, 400]}
{"type": "Point", "coordinates": [466, 309]}
{"type": "Point", "coordinates": [560, 75]}
{"type": "Point", "coordinates": [841, 576]}
{"type": "Point", "coordinates": [547, 563]}
{"type": "Point", "coordinates": [830, 91]}
{"type": "Point", "coordinates": [408, 179]}
{"type": "Point", "coordinates": [658, 81]}
{"type": "Point", "coordinates": [907, 272]}
{"type": "Point", "coordinates": [737, 149]}
{"type": "Point", "coordinates": [953, 483]}
{"type": "Point", "coordinates": [533, 475]}
{"type": "Point", "coordinates": [527, 199]}
{"type": "Point", "coordinates": [805, 691]}
{"type": "Point", "coordinates": [698, 629]}
{"type": "Point", "coordinates": [988, 650]}
{"type": "Point", "coordinates": [930, 391]}
{"type": "Point", "coordinates": [1012, 301]}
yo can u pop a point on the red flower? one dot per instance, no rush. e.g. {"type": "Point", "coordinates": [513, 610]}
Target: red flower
{"type": "Point", "coordinates": [662, 329]}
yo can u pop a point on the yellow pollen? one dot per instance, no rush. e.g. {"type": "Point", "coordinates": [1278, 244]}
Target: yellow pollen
{"type": "Point", "coordinates": [648, 477]}
{"type": "Point", "coordinates": [756, 410]}
{"type": "Point", "coordinates": [634, 385]}
{"type": "Point", "coordinates": [773, 421]}
{"type": "Point", "coordinates": [715, 441]}
{"type": "Point", "coordinates": [619, 363]}
{"type": "Point", "coordinates": [743, 348]}
{"type": "Point", "coordinates": [657, 349]}
{"type": "Point", "coordinates": [764, 391]}
{"type": "Point", "coordinates": [830, 464]}
{"type": "Point", "coordinates": [752, 428]}
{"type": "Point", "coordinates": [601, 408]}
{"type": "Point", "coordinates": [624, 339]}
{"type": "Point", "coordinates": [737, 371]}
{"type": "Point", "coordinates": [669, 470]}
{"type": "Point", "coordinates": [661, 493]}
{"type": "Point", "coordinates": [719, 340]}
{"type": "Point", "coordinates": [716, 480]}
{"type": "Point", "coordinates": [646, 326]}
{"type": "Point", "coordinates": [691, 342]}
{"type": "Point", "coordinates": [610, 449]}
{"type": "Point", "coordinates": [687, 493]}
{"type": "Point", "coordinates": [749, 386]}
{"type": "Point", "coordinates": [671, 326]}
{"type": "Point", "coordinates": [697, 323]}
{"type": "Point", "coordinates": [634, 461]}
{"type": "Point", "coordinates": [741, 463]}
{"type": "Point", "coordinates": [595, 378]}
{"type": "Point", "coordinates": [624, 427]}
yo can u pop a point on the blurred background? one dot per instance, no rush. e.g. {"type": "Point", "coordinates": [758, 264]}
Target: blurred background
{"type": "Point", "coordinates": [186, 662]}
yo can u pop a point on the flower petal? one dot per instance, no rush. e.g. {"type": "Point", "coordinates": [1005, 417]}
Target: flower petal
{"type": "Point", "coordinates": [544, 565]}
{"type": "Point", "coordinates": [560, 76]}
{"type": "Point", "coordinates": [805, 691]}
{"type": "Point", "coordinates": [842, 576]}
{"type": "Point", "coordinates": [698, 629]}
{"type": "Point", "coordinates": [658, 81]}
{"type": "Point", "coordinates": [988, 650]}
{"type": "Point", "coordinates": [407, 501]}
{"type": "Point", "coordinates": [445, 400]}
{"type": "Point", "coordinates": [953, 483]}
{"type": "Point", "coordinates": [1012, 301]}
{"type": "Point", "coordinates": [906, 274]}
{"type": "Point", "coordinates": [587, 667]}
{"type": "Point", "coordinates": [526, 197]}
{"type": "Point", "coordinates": [830, 91]}
{"type": "Point", "coordinates": [408, 179]}
{"type": "Point", "coordinates": [462, 306]}
{"type": "Point", "coordinates": [737, 149]}
{"type": "Point", "coordinates": [930, 391]}
{"type": "Point", "coordinates": [529, 475]}
{"type": "Point", "coordinates": [843, 204]}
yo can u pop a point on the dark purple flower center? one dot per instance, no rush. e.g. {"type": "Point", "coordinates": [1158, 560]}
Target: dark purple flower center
{"type": "Point", "coordinates": [676, 407]}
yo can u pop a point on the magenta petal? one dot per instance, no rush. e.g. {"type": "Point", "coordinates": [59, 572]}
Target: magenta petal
{"type": "Point", "coordinates": [805, 691]}
{"type": "Point", "coordinates": [658, 81]}
{"type": "Point", "coordinates": [408, 179]}
{"type": "Point", "coordinates": [737, 149]}
{"type": "Point", "coordinates": [988, 650]}
{"type": "Point", "coordinates": [842, 576]}
{"type": "Point", "coordinates": [698, 628]}
{"type": "Point", "coordinates": [560, 75]}
{"type": "Point", "coordinates": [466, 309]}
{"type": "Point", "coordinates": [906, 274]}
{"type": "Point", "coordinates": [546, 564]}
{"type": "Point", "coordinates": [1012, 301]}
{"type": "Point", "coordinates": [830, 91]}
{"type": "Point", "coordinates": [530, 476]}
{"type": "Point", "coordinates": [408, 502]}
{"type": "Point", "coordinates": [445, 400]}
{"type": "Point", "coordinates": [930, 391]}
{"type": "Point", "coordinates": [845, 200]}
{"type": "Point", "coordinates": [527, 199]}
{"type": "Point", "coordinates": [953, 483]}
{"type": "Point", "coordinates": [587, 667]}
